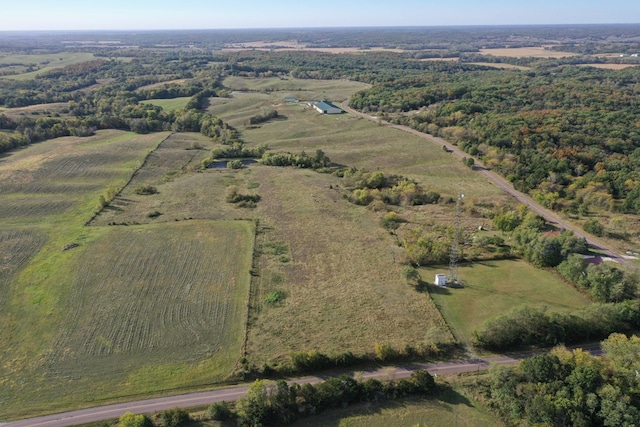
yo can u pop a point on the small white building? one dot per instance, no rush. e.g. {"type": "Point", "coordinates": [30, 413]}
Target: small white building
{"type": "Point", "coordinates": [325, 107]}
{"type": "Point", "coordinates": [441, 280]}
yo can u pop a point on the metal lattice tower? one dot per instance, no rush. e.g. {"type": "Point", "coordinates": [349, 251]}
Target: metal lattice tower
{"type": "Point", "coordinates": [455, 250]}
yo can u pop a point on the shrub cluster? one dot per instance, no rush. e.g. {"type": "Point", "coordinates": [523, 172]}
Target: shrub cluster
{"type": "Point", "coordinates": [605, 283]}
{"type": "Point", "coordinates": [237, 150]}
{"type": "Point", "coordinates": [145, 190]}
{"type": "Point", "coordinates": [302, 160]}
{"type": "Point", "coordinates": [264, 117]}
{"type": "Point", "coordinates": [367, 187]}
{"type": "Point", "coordinates": [533, 326]}
{"type": "Point", "coordinates": [242, 200]}
{"type": "Point", "coordinates": [425, 247]}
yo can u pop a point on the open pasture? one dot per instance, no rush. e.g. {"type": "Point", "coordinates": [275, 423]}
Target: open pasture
{"type": "Point", "coordinates": [41, 62]}
{"type": "Point", "coordinates": [51, 177]}
{"type": "Point", "coordinates": [169, 104]}
{"type": "Point", "coordinates": [495, 287]}
{"type": "Point", "coordinates": [35, 110]}
{"type": "Point", "coordinates": [340, 273]}
{"type": "Point", "coordinates": [526, 52]}
{"type": "Point", "coordinates": [501, 66]}
{"type": "Point", "coordinates": [609, 66]}
{"type": "Point", "coordinates": [144, 309]}
{"type": "Point", "coordinates": [252, 96]}
{"type": "Point", "coordinates": [181, 192]}
{"type": "Point", "coordinates": [163, 83]}
{"type": "Point", "coordinates": [305, 90]}
{"type": "Point", "coordinates": [352, 141]}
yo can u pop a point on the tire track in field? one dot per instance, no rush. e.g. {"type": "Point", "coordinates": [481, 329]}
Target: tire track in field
{"type": "Point", "coordinates": [134, 303]}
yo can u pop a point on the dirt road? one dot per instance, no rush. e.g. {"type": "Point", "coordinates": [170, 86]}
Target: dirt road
{"type": "Point", "coordinates": [505, 185]}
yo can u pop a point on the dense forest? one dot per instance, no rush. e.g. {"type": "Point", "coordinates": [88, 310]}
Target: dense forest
{"type": "Point", "coordinates": [568, 135]}
{"type": "Point", "coordinates": [565, 387]}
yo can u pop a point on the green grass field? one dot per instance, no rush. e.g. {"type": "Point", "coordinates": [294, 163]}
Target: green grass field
{"type": "Point", "coordinates": [495, 287]}
{"type": "Point", "coordinates": [44, 62]}
{"type": "Point", "coordinates": [451, 409]}
{"type": "Point", "coordinates": [169, 104]}
{"type": "Point", "coordinates": [92, 314]}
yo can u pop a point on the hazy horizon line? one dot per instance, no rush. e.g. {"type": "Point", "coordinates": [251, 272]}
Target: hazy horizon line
{"type": "Point", "coordinates": [337, 27]}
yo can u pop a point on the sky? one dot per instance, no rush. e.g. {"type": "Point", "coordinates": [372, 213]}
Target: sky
{"type": "Point", "coordinates": [21, 15]}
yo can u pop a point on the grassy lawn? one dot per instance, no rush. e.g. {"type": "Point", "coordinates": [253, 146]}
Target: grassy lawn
{"type": "Point", "coordinates": [169, 104]}
{"type": "Point", "coordinates": [495, 287]}
{"type": "Point", "coordinates": [450, 409]}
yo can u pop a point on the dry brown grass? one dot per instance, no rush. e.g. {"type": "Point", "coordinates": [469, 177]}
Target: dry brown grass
{"type": "Point", "coordinates": [502, 66]}
{"type": "Point", "coordinates": [526, 52]}
{"type": "Point", "coordinates": [343, 283]}
{"type": "Point", "coordinates": [609, 66]}
{"type": "Point", "coordinates": [162, 84]}
{"type": "Point", "coordinates": [284, 45]}
{"type": "Point", "coordinates": [440, 59]}
{"type": "Point", "coordinates": [34, 110]}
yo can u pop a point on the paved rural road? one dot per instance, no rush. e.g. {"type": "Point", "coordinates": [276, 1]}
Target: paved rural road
{"type": "Point", "coordinates": [231, 394]}
{"type": "Point", "coordinates": [505, 185]}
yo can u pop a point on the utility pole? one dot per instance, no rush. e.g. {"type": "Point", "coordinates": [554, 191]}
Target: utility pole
{"type": "Point", "coordinates": [454, 278]}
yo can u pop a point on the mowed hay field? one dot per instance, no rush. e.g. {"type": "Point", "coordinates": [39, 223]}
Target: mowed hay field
{"type": "Point", "coordinates": [146, 309]}
{"type": "Point", "coordinates": [92, 314]}
{"type": "Point", "coordinates": [495, 287]}
{"type": "Point", "coordinates": [61, 180]}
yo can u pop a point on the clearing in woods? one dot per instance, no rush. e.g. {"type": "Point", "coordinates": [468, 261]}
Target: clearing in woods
{"type": "Point", "coordinates": [169, 105]}
{"type": "Point", "coordinates": [496, 287]}
{"type": "Point", "coordinates": [29, 66]}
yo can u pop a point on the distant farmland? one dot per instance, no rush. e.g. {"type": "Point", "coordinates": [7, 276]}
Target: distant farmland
{"type": "Point", "coordinates": [526, 52]}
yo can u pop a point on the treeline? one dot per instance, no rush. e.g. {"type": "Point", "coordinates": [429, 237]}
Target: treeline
{"type": "Point", "coordinates": [535, 326]}
{"type": "Point", "coordinates": [565, 134]}
{"type": "Point", "coordinates": [270, 403]}
{"type": "Point", "coordinates": [603, 282]}
{"type": "Point", "coordinates": [569, 388]}
{"type": "Point", "coordinates": [278, 403]}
